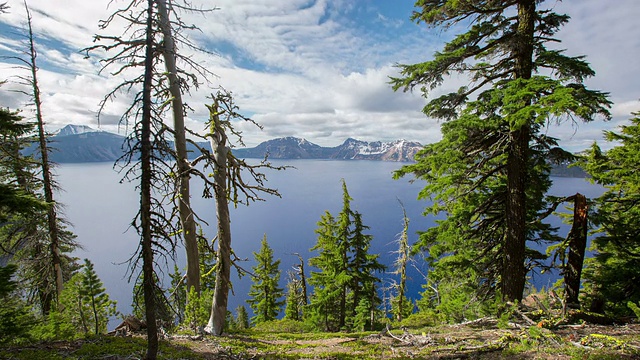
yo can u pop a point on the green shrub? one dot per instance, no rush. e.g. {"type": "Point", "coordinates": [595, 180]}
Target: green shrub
{"type": "Point", "coordinates": [425, 318]}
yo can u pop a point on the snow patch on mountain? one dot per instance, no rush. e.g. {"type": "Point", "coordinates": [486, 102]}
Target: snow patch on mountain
{"type": "Point", "coordinates": [75, 130]}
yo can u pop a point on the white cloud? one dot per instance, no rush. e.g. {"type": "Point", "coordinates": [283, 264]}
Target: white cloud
{"type": "Point", "coordinates": [312, 68]}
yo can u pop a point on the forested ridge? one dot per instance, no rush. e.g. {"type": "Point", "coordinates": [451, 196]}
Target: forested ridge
{"type": "Point", "coordinates": [487, 180]}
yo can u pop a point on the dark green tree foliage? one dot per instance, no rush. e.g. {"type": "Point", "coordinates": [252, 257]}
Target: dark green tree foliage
{"type": "Point", "coordinates": [613, 275]}
{"type": "Point", "coordinates": [15, 169]}
{"type": "Point", "coordinates": [324, 309]}
{"type": "Point", "coordinates": [345, 294]}
{"type": "Point", "coordinates": [489, 173]}
{"type": "Point", "coordinates": [41, 239]}
{"type": "Point", "coordinates": [265, 295]}
{"type": "Point", "coordinates": [14, 315]}
{"type": "Point", "coordinates": [363, 267]}
{"type": "Point", "coordinates": [24, 234]}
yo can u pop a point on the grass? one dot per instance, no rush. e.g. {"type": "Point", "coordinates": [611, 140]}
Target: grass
{"type": "Point", "coordinates": [488, 342]}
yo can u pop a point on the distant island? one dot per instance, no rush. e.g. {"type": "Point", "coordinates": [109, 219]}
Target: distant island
{"type": "Point", "coordinates": [83, 144]}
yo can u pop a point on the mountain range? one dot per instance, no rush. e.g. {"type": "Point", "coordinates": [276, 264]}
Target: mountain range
{"type": "Point", "coordinates": [80, 143]}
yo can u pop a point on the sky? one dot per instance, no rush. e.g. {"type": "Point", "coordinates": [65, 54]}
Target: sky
{"type": "Point", "coordinates": [314, 69]}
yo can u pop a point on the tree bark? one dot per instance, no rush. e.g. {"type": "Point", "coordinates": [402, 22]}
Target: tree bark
{"type": "Point", "coordinates": [513, 275]}
{"type": "Point", "coordinates": [187, 219]}
{"type": "Point", "coordinates": [303, 280]}
{"type": "Point", "coordinates": [577, 245]}
{"type": "Point", "coordinates": [47, 176]}
{"type": "Point", "coordinates": [404, 258]}
{"type": "Point", "coordinates": [145, 192]}
{"type": "Point", "coordinates": [223, 264]}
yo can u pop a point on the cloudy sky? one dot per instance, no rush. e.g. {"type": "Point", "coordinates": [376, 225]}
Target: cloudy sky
{"type": "Point", "coordinates": [316, 69]}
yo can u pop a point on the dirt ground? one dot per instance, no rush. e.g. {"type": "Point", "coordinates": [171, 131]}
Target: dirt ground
{"type": "Point", "coordinates": [481, 339]}
{"type": "Point", "coordinates": [478, 341]}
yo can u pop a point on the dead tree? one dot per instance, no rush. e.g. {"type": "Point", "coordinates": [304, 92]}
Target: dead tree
{"type": "Point", "coordinates": [44, 246]}
{"type": "Point", "coordinates": [179, 82]}
{"type": "Point", "coordinates": [147, 149]}
{"type": "Point", "coordinates": [573, 247]}
{"type": "Point", "coordinates": [229, 186]}
{"type": "Point", "coordinates": [577, 239]}
{"type": "Point", "coordinates": [401, 263]}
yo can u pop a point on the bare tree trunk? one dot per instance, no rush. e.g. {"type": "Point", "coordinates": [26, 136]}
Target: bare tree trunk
{"type": "Point", "coordinates": [47, 176]}
{"type": "Point", "coordinates": [182, 161]}
{"type": "Point", "coordinates": [513, 274]}
{"type": "Point", "coordinates": [223, 272]}
{"type": "Point", "coordinates": [145, 193]}
{"type": "Point", "coordinates": [403, 259]}
{"type": "Point", "coordinates": [303, 280]}
{"type": "Point", "coordinates": [577, 245]}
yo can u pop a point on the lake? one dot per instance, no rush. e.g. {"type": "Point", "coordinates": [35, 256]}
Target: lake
{"type": "Point", "coordinates": [101, 210]}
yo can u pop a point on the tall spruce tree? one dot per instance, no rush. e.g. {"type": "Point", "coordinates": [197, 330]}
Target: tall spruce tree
{"type": "Point", "coordinates": [612, 275]}
{"type": "Point", "coordinates": [344, 288]}
{"type": "Point", "coordinates": [265, 295]}
{"type": "Point", "coordinates": [324, 306]}
{"type": "Point", "coordinates": [489, 172]}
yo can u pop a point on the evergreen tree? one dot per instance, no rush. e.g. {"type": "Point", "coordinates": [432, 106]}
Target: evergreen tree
{"type": "Point", "coordinates": [324, 308]}
{"type": "Point", "coordinates": [14, 315]}
{"type": "Point", "coordinates": [74, 307]}
{"type": "Point", "coordinates": [362, 267]}
{"type": "Point", "coordinates": [612, 276]}
{"type": "Point", "coordinates": [242, 318]}
{"type": "Point", "coordinates": [15, 169]}
{"type": "Point", "coordinates": [93, 293]}
{"type": "Point", "coordinates": [294, 302]}
{"type": "Point", "coordinates": [489, 173]}
{"type": "Point", "coordinates": [37, 240]}
{"type": "Point", "coordinates": [344, 288]}
{"type": "Point", "coordinates": [265, 295]}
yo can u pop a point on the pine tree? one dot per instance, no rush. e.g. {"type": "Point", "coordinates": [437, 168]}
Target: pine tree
{"type": "Point", "coordinates": [294, 302]}
{"type": "Point", "coordinates": [14, 314]}
{"type": "Point", "coordinates": [93, 293]}
{"type": "Point", "coordinates": [489, 173]}
{"type": "Point", "coordinates": [344, 287]}
{"type": "Point", "coordinates": [265, 295]}
{"type": "Point", "coordinates": [242, 318]}
{"type": "Point", "coordinates": [49, 241]}
{"type": "Point", "coordinates": [362, 267]}
{"type": "Point", "coordinates": [612, 275]}
{"type": "Point", "coordinates": [324, 307]}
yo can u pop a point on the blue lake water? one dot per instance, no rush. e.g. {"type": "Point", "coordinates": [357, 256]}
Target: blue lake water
{"type": "Point", "coordinates": [101, 210]}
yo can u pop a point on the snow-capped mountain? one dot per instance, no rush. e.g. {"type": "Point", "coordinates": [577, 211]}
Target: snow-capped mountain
{"type": "Point", "coordinates": [399, 150]}
{"type": "Point", "coordinates": [75, 130]}
{"type": "Point", "coordinates": [81, 143]}
{"type": "Point", "coordinates": [351, 149]}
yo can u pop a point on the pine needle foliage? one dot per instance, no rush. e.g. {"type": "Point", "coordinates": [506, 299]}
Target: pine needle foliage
{"type": "Point", "coordinates": [489, 174]}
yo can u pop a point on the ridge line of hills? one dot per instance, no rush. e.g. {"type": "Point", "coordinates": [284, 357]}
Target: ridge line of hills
{"type": "Point", "coordinates": [79, 144]}
{"type": "Point", "coordinates": [83, 144]}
